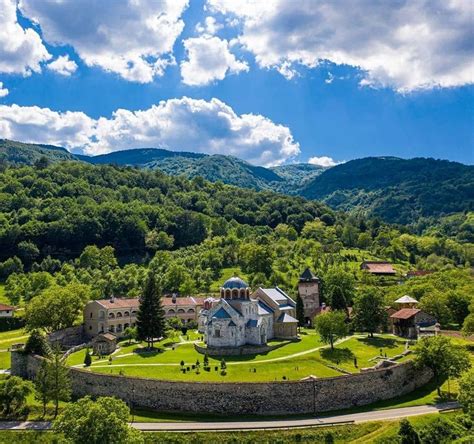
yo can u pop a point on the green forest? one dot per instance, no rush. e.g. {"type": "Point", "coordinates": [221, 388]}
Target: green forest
{"type": "Point", "coordinates": [94, 231]}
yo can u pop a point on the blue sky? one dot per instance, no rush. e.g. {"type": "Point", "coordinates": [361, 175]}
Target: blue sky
{"type": "Point", "coordinates": [271, 84]}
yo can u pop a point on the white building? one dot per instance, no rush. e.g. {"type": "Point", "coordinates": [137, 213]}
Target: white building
{"type": "Point", "coordinates": [239, 318]}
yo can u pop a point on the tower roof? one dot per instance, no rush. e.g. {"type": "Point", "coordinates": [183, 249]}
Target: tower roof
{"type": "Point", "coordinates": [308, 276]}
{"type": "Point", "coordinates": [406, 300]}
{"type": "Point", "coordinates": [235, 282]}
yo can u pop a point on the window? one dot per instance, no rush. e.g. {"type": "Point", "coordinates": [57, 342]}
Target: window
{"type": "Point", "coordinates": [90, 327]}
{"type": "Point", "coordinates": [217, 333]}
{"type": "Point", "coordinates": [91, 315]}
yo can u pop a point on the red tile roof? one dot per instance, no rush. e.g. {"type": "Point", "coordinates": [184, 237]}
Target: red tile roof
{"type": "Point", "coordinates": [4, 307]}
{"type": "Point", "coordinates": [378, 267]}
{"type": "Point", "coordinates": [405, 313]}
{"type": "Point", "coordinates": [134, 302]}
{"type": "Point", "coordinates": [119, 303]}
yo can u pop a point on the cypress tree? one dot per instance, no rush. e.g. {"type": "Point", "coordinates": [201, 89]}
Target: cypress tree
{"type": "Point", "coordinates": [87, 359]}
{"type": "Point", "coordinates": [300, 311]}
{"type": "Point", "coordinates": [150, 316]}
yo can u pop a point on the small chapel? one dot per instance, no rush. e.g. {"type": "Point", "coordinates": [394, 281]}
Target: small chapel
{"type": "Point", "coordinates": [240, 317]}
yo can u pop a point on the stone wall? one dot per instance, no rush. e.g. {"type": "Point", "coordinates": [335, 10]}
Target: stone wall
{"type": "Point", "coordinates": [68, 337]}
{"type": "Point", "coordinates": [272, 398]}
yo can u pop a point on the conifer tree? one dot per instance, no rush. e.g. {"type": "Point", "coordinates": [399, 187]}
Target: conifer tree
{"type": "Point", "coordinates": [300, 311]}
{"type": "Point", "coordinates": [87, 359]}
{"type": "Point", "coordinates": [150, 316]}
{"type": "Point", "coordinates": [43, 385]}
{"type": "Point", "coordinates": [60, 381]}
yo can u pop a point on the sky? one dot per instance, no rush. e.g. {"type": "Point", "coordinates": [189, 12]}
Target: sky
{"type": "Point", "coordinates": [271, 82]}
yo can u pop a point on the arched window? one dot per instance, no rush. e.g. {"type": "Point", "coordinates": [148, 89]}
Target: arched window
{"type": "Point", "coordinates": [171, 312]}
{"type": "Point", "coordinates": [126, 314]}
{"type": "Point", "coordinates": [191, 310]}
{"type": "Point", "coordinates": [235, 293]}
{"type": "Point", "coordinates": [134, 312]}
{"type": "Point", "coordinates": [111, 316]}
{"type": "Point", "coordinates": [119, 314]}
{"type": "Point", "coordinates": [180, 310]}
{"type": "Point", "coordinates": [227, 294]}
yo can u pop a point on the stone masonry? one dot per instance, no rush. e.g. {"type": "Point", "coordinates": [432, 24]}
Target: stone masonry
{"type": "Point", "coordinates": [271, 398]}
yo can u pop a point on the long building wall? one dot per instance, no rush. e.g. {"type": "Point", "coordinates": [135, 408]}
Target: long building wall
{"type": "Point", "coordinates": [272, 398]}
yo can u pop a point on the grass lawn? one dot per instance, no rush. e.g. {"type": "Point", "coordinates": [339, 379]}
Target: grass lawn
{"type": "Point", "coordinates": [7, 339]}
{"type": "Point", "coordinates": [292, 361]}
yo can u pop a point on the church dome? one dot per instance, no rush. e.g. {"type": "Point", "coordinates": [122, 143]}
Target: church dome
{"type": "Point", "coordinates": [235, 282]}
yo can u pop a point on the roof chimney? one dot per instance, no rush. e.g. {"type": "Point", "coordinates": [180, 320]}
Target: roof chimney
{"type": "Point", "coordinates": [112, 299]}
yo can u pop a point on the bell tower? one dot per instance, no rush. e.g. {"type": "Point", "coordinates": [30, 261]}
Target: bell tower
{"type": "Point", "coordinates": [308, 290]}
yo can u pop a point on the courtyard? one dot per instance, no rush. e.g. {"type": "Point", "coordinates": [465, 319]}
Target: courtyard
{"type": "Point", "coordinates": [291, 361]}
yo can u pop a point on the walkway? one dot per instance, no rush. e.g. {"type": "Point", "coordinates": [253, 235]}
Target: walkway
{"type": "Point", "coordinates": [261, 361]}
{"type": "Point", "coordinates": [236, 425]}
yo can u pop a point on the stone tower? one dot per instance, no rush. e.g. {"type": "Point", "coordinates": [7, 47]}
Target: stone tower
{"type": "Point", "coordinates": [308, 289]}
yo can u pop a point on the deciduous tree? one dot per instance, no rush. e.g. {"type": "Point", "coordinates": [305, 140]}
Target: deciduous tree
{"type": "Point", "coordinates": [331, 326]}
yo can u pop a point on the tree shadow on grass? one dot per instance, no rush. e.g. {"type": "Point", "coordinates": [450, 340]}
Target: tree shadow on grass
{"type": "Point", "coordinates": [337, 355]}
{"type": "Point", "coordinates": [148, 353]}
{"type": "Point", "coordinates": [380, 342]}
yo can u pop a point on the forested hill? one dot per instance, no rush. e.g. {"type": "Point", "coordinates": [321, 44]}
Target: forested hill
{"type": "Point", "coordinates": [60, 209]}
{"type": "Point", "coordinates": [18, 153]}
{"type": "Point", "coordinates": [397, 190]}
{"type": "Point", "coordinates": [230, 170]}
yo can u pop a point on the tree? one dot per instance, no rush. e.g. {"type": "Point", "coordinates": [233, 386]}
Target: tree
{"type": "Point", "coordinates": [97, 422]}
{"type": "Point", "coordinates": [444, 359]}
{"type": "Point", "coordinates": [300, 311]}
{"type": "Point", "coordinates": [13, 394]}
{"type": "Point", "coordinates": [87, 358]}
{"type": "Point", "coordinates": [36, 344]}
{"type": "Point", "coordinates": [150, 316]}
{"type": "Point", "coordinates": [60, 382]}
{"type": "Point", "coordinates": [468, 325]}
{"type": "Point", "coordinates": [130, 333]}
{"type": "Point", "coordinates": [407, 433]}
{"type": "Point", "coordinates": [436, 305]}
{"type": "Point", "coordinates": [369, 311]}
{"type": "Point", "coordinates": [339, 288]}
{"type": "Point", "coordinates": [56, 307]}
{"type": "Point", "coordinates": [331, 326]}
{"type": "Point", "coordinates": [43, 385]}
{"type": "Point", "coordinates": [466, 392]}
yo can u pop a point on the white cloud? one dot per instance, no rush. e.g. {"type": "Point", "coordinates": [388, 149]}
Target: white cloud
{"type": "Point", "coordinates": [323, 161]}
{"type": "Point", "coordinates": [209, 27]}
{"type": "Point", "coordinates": [3, 91]}
{"type": "Point", "coordinates": [177, 124]}
{"type": "Point", "coordinates": [21, 50]}
{"type": "Point", "coordinates": [405, 45]}
{"type": "Point", "coordinates": [42, 125]}
{"type": "Point", "coordinates": [208, 59]}
{"type": "Point", "coordinates": [132, 38]}
{"type": "Point", "coordinates": [63, 65]}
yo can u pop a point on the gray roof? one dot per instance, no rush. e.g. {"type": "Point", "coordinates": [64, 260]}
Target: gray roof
{"type": "Point", "coordinates": [286, 318]}
{"type": "Point", "coordinates": [278, 296]}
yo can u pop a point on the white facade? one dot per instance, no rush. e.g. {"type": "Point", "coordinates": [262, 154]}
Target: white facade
{"type": "Point", "coordinates": [238, 319]}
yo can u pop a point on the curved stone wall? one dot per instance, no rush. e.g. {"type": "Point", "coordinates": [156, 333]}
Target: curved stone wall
{"type": "Point", "coordinates": [271, 398]}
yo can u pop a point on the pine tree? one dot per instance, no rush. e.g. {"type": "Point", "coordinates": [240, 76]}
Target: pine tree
{"type": "Point", "coordinates": [150, 316]}
{"type": "Point", "coordinates": [43, 385]}
{"type": "Point", "coordinates": [60, 381]}
{"type": "Point", "coordinates": [87, 359]}
{"type": "Point", "coordinates": [300, 311]}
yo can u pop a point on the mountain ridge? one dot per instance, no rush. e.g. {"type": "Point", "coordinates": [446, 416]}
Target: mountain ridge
{"type": "Point", "coordinates": [395, 189]}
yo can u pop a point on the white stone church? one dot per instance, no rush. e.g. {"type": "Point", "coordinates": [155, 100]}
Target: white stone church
{"type": "Point", "coordinates": [239, 318]}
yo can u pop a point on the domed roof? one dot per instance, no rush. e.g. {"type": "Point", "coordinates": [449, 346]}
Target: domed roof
{"type": "Point", "coordinates": [235, 282]}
